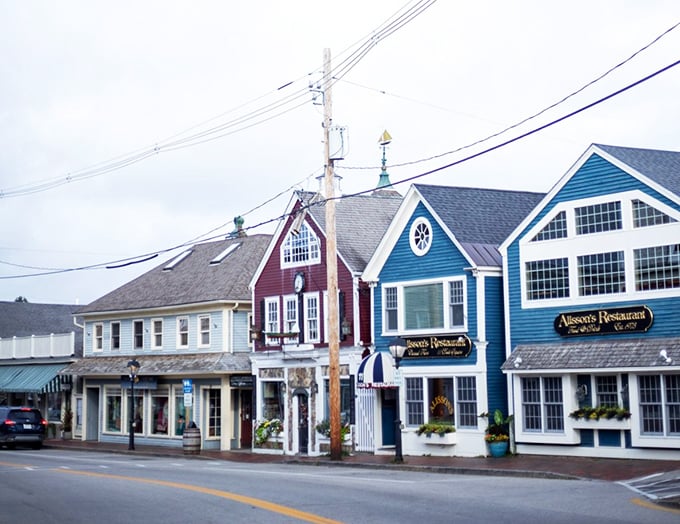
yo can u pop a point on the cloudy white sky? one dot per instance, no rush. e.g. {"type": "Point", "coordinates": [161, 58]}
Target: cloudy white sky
{"type": "Point", "coordinates": [85, 84]}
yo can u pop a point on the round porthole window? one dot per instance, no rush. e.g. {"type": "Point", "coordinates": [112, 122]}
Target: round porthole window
{"type": "Point", "coordinates": [421, 236]}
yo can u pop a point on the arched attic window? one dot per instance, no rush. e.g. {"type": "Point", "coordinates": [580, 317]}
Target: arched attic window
{"type": "Point", "coordinates": [301, 247]}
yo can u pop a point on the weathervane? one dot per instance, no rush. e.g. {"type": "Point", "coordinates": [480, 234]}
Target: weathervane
{"type": "Point", "coordinates": [384, 140]}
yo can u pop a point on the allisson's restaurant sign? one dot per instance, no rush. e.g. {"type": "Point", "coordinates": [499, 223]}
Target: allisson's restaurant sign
{"type": "Point", "coordinates": [447, 346]}
{"type": "Point", "coordinates": [633, 319]}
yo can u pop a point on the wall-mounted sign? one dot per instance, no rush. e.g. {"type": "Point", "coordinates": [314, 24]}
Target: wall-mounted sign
{"type": "Point", "coordinates": [240, 381]}
{"type": "Point", "coordinates": [140, 382]}
{"type": "Point", "coordinates": [438, 346]}
{"type": "Point", "coordinates": [633, 319]}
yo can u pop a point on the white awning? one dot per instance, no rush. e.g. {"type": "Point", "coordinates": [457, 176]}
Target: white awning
{"type": "Point", "coordinates": [376, 371]}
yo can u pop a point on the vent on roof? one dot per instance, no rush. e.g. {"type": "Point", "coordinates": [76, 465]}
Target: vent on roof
{"type": "Point", "coordinates": [170, 265]}
{"type": "Point", "coordinates": [224, 254]}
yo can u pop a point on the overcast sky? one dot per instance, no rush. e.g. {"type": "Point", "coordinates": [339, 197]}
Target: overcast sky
{"type": "Point", "coordinates": [87, 84]}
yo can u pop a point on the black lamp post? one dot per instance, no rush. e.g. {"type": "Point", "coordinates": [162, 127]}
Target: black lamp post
{"type": "Point", "coordinates": [133, 366]}
{"type": "Point", "coordinates": [397, 348]}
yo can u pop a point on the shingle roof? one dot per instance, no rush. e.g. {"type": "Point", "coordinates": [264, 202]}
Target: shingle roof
{"type": "Point", "coordinates": [640, 353]}
{"type": "Point", "coordinates": [163, 364]}
{"type": "Point", "coordinates": [23, 319]}
{"type": "Point", "coordinates": [480, 219]}
{"type": "Point", "coordinates": [193, 280]}
{"type": "Point", "coordinates": [360, 223]}
{"type": "Point", "coordinates": [663, 167]}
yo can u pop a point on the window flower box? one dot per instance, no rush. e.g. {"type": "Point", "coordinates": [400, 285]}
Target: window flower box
{"type": "Point", "coordinates": [446, 439]}
{"type": "Point", "coordinates": [602, 423]}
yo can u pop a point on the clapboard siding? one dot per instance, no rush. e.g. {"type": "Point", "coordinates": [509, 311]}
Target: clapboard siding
{"type": "Point", "coordinates": [495, 351]}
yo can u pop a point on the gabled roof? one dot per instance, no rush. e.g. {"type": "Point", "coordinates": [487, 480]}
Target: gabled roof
{"type": "Point", "coordinates": [360, 223]}
{"type": "Point", "coordinates": [653, 167]}
{"type": "Point", "coordinates": [23, 319]}
{"type": "Point", "coordinates": [663, 167]}
{"type": "Point", "coordinates": [476, 220]}
{"type": "Point", "coordinates": [192, 279]}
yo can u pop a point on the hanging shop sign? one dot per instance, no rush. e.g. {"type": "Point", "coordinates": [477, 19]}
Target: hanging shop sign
{"type": "Point", "coordinates": [633, 319]}
{"type": "Point", "coordinates": [444, 346]}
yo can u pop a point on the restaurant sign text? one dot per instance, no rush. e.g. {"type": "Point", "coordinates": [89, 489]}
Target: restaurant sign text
{"type": "Point", "coordinates": [633, 319]}
{"type": "Point", "coordinates": [435, 346]}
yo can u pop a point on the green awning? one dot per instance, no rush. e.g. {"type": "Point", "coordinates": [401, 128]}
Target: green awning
{"type": "Point", "coordinates": [31, 378]}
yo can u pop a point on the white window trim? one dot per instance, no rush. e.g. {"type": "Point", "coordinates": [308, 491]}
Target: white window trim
{"type": "Point", "coordinates": [311, 261]}
{"type": "Point", "coordinates": [133, 345]}
{"type": "Point", "coordinates": [636, 436]}
{"type": "Point", "coordinates": [401, 321]}
{"type": "Point", "coordinates": [199, 331]}
{"type": "Point", "coordinates": [179, 333]}
{"type": "Point", "coordinates": [154, 333]}
{"type": "Point", "coordinates": [626, 239]}
{"type": "Point", "coordinates": [96, 349]}
{"type": "Point", "coordinates": [111, 348]}
{"type": "Point", "coordinates": [416, 250]}
{"type": "Point", "coordinates": [305, 299]}
{"type": "Point", "coordinates": [267, 301]}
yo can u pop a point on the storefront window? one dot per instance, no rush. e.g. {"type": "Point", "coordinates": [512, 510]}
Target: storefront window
{"type": "Point", "coordinates": [54, 407]}
{"type": "Point", "coordinates": [214, 413]}
{"type": "Point", "coordinates": [345, 401]}
{"type": "Point", "coordinates": [272, 395]}
{"type": "Point", "coordinates": [441, 401]}
{"type": "Point", "coordinates": [112, 416]}
{"type": "Point", "coordinates": [660, 404]}
{"type": "Point", "coordinates": [542, 404]}
{"type": "Point", "coordinates": [159, 409]}
{"type": "Point", "coordinates": [466, 402]}
{"type": "Point", "coordinates": [139, 410]}
{"type": "Point", "coordinates": [414, 402]}
{"type": "Point", "coordinates": [180, 413]}
{"type": "Point", "coordinates": [607, 391]}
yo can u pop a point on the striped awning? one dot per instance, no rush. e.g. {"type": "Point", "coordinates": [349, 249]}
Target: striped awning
{"type": "Point", "coordinates": [31, 378]}
{"type": "Point", "coordinates": [376, 371]}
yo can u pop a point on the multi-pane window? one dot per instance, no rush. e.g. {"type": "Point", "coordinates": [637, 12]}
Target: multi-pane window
{"type": "Point", "coordinates": [272, 318]}
{"type": "Point", "coordinates": [606, 391]}
{"type": "Point", "coordinates": [421, 236]}
{"type": "Point", "coordinates": [391, 310]}
{"type": "Point", "coordinates": [115, 335]}
{"type": "Point", "coordinates": [183, 332]}
{"type": "Point", "coordinates": [657, 267]}
{"type": "Point", "coordinates": [542, 404]}
{"type": "Point", "coordinates": [456, 303]}
{"type": "Point", "coordinates": [157, 333]}
{"type": "Point", "coordinates": [415, 409]}
{"type": "Point", "coordinates": [138, 334]}
{"type": "Point", "coordinates": [645, 215]}
{"type": "Point", "coordinates": [214, 421]}
{"type": "Point", "coordinates": [598, 218]}
{"type": "Point", "coordinates": [423, 307]}
{"type": "Point", "coordinates": [290, 321]}
{"type": "Point", "coordinates": [300, 248]}
{"type": "Point", "coordinates": [466, 402]}
{"type": "Point", "coordinates": [556, 228]}
{"type": "Point", "coordinates": [601, 274]}
{"type": "Point", "coordinates": [311, 317]}
{"type": "Point", "coordinates": [204, 331]}
{"type": "Point", "coordinates": [660, 404]}
{"type": "Point", "coordinates": [112, 411]}
{"type": "Point", "coordinates": [547, 279]}
{"type": "Point", "coordinates": [98, 340]}
{"type": "Point", "coordinates": [160, 407]}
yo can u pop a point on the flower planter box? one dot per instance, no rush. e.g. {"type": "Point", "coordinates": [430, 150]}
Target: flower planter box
{"type": "Point", "coordinates": [447, 439]}
{"type": "Point", "coordinates": [603, 423]}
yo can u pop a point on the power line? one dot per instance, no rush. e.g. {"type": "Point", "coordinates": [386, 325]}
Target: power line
{"type": "Point", "coordinates": [141, 258]}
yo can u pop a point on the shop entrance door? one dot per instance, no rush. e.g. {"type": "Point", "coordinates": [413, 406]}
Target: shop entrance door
{"type": "Point", "coordinates": [246, 418]}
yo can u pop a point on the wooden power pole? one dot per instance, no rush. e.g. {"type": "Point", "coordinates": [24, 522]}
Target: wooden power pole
{"type": "Point", "coordinates": [331, 268]}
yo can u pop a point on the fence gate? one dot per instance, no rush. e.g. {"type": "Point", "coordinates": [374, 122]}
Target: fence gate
{"type": "Point", "coordinates": [365, 423]}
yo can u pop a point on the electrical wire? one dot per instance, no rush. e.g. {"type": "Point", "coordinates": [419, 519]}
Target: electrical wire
{"type": "Point", "coordinates": [409, 179]}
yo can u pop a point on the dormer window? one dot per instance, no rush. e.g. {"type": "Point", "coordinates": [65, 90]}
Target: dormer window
{"type": "Point", "coordinates": [301, 248]}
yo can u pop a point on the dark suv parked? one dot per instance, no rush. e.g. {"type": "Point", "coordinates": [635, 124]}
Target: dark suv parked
{"type": "Point", "coordinates": [21, 426]}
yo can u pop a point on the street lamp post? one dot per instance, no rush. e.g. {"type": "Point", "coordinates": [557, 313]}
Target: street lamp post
{"type": "Point", "coordinates": [397, 348]}
{"type": "Point", "coordinates": [133, 366]}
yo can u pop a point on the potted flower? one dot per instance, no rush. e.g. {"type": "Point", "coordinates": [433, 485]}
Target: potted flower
{"type": "Point", "coordinates": [67, 424]}
{"type": "Point", "coordinates": [267, 428]}
{"type": "Point", "coordinates": [440, 428]}
{"type": "Point", "coordinates": [497, 434]}
{"type": "Point", "coordinates": [324, 428]}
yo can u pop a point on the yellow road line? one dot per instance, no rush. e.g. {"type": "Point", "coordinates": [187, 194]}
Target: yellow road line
{"type": "Point", "coordinates": [651, 505]}
{"type": "Point", "coordinates": [259, 503]}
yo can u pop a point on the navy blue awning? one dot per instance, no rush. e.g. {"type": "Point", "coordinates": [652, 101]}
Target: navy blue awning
{"type": "Point", "coordinates": [376, 371]}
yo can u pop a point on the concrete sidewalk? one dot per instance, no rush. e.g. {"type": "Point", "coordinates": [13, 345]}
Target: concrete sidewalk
{"type": "Point", "coordinates": [510, 465]}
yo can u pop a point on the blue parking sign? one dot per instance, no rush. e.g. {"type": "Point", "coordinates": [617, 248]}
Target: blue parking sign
{"type": "Point", "coordinates": [188, 386]}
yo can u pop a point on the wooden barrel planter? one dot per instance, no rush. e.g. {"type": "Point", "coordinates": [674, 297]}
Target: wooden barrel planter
{"type": "Point", "coordinates": [191, 441]}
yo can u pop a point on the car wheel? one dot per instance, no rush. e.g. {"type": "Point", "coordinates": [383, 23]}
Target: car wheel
{"type": "Point", "coordinates": [11, 446]}
{"type": "Point", "coordinates": [37, 445]}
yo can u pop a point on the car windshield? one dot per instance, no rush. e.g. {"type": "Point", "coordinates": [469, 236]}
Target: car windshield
{"type": "Point", "coordinates": [20, 416]}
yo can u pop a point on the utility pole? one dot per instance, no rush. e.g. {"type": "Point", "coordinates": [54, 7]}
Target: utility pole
{"type": "Point", "coordinates": [331, 268]}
